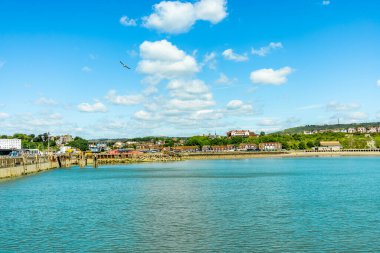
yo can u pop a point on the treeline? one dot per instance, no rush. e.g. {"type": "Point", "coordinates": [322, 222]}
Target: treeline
{"type": "Point", "coordinates": [293, 141]}
{"type": "Point", "coordinates": [301, 129]}
{"type": "Point", "coordinates": [41, 142]}
{"type": "Point", "coordinates": [32, 141]}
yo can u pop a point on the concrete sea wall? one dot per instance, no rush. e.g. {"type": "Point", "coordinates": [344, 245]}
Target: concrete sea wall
{"type": "Point", "coordinates": [20, 170]}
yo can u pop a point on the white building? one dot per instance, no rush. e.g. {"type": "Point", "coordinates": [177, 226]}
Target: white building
{"type": "Point", "coordinates": [241, 133]}
{"type": "Point", "coordinates": [10, 144]}
{"type": "Point", "coordinates": [329, 146]}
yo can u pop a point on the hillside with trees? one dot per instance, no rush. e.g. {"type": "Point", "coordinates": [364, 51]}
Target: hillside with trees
{"type": "Point", "coordinates": [302, 129]}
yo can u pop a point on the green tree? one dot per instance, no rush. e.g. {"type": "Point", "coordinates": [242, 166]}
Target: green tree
{"type": "Point", "coordinates": [79, 143]}
{"type": "Point", "coordinates": [302, 145]}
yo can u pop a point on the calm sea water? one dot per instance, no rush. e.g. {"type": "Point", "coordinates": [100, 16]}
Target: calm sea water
{"type": "Point", "coordinates": [259, 205]}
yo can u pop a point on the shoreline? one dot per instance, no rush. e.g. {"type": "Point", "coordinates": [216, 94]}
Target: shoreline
{"type": "Point", "coordinates": [289, 154]}
{"type": "Point", "coordinates": [19, 171]}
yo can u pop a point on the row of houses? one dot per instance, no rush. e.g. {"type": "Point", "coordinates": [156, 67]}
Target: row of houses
{"type": "Point", "coordinates": [351, 130]}
{"type": "Point", "coordinates": [267, 146]}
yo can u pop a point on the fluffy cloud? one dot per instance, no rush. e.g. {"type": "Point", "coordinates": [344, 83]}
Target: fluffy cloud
{"type": "Point", "coordinates": [178, 17]}
{"type": "Point", "coordinates": [161, 59]}
{"type": "Point", "coordinates": [4, 115]}
{"type": "Point", "coordinates": [263, 51]}
{"type": "Point", "coordinates": [124, 100]}
{"type": "Point", "coordinates": [189, 90]}
{"type": "Point", "coordinates": [206, 115]}
{"type": "Point", "coordinates": [336, 106]}
{"type": "Point", "coordinates": [270, 76]}
{"type": "Point", "coordinates": [378, 82]}
{"type": "Point", "coordinates": [96, 107]}
{"type": "Point", "coordinates": [229, 54]}
{"type": "Point", "coordinates": [86, 69]}
{"type": "Point", "coordinates": [145, 116]}
{"type": "Point", "coordinates": [125, 21]}
{"type": "Point", "coordinates": [45, 101]}
{"type": "Point", "coordinates": [239, 106]}
{"type": "Point", "coordinates": [190, 105]}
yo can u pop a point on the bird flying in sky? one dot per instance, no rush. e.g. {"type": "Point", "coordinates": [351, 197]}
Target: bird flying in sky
{"type": "Point", "coordinates": [125, 66]}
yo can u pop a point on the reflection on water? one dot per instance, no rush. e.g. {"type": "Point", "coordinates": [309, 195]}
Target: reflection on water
{"type": "Point", "coordinates": [263, 205]}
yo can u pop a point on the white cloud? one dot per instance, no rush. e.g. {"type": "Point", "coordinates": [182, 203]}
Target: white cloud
{"type": "Point", "coordinates": [230, 55]}
{"type": "Point", "coordinates": [55, 116]}
{"type": "Point", "coordinates": [2, 63]}
{"type": "Point", "coordinates": [4, 115]}
{"type": "Point", "coordinates": [189, 105]}
{"type": "Point", "coordinates": [206, 115]}
{"type": "Point", "coordinates": [326, 2]}
{"type": "Point", "coordinates": [125, 21]}
{"type": "Point", "coordinates": [161, 59]}
{"type": "Point", "coordinates": [188, 90]}
{"type": "Point", "coordinates": [234, 104]}
{"type": "Point", "coordinates": [336, 106]}
{"type": "Point", "coordinates": [144, 115]}
{"type": "Point", "coordinates": [178, 17]}
{"type": "Point", "coordinates": [263, 51]}
{"type": "Point", "coordinates": [151, 89]}
{"type": "Point", "coordinates": [378, 82]}
{"type": "Point", "coordinates": [270, 76]}
{"type": "Point", "coordinates": [354, 116]}
{"type": "Point", "coordinates": [223, 79]}
{"type": "Point", "coordinates": [124, 100]}
{"type": "Point", "coordinates": [86, 69]}
{"type": "Point", "coordinates": [96, 107]}
{"type": "Point", "coordinates": [268, 122]}
{"type": "Point", "coordinates": [45, 101]}
{"type": "Point", "coordinates": [239, 106]}
{"type": "Point", "coordinates": [209, 60]}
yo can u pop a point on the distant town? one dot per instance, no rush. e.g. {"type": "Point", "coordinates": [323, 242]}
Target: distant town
{"type": "Point", "coordinates": [333, 139]}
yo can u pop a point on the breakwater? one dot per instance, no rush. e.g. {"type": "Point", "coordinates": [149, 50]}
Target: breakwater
{"type": "Point", "coordinates": [20, 166]}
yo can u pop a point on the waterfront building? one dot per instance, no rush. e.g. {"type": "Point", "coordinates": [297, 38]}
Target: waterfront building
{"type": "Point", "coordinates": [10, 144]}
{"type": "Point", "coordinates": [247, 147]}
{"type": "Point", "coordinates": [206, 148]}
{"type": "Point", "coordinates": [118, 144]}
{"type": "Point", "coordinates": [329, 146]}
{"type": "Point", "coordinates": [187, 149]}
{"type": "Point", "coordinates": [270, 146]}
{"type": "Point", "coordinates": [222, 148]}
{"type": "Point", "coordinates": [240, 133]}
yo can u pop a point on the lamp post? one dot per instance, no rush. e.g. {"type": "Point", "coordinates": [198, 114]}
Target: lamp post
{"type": "Point", "coordinates": [48, 137]}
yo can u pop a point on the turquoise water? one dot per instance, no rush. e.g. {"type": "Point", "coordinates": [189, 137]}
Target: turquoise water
{"type": "Point", "coordinates": [259, 205]}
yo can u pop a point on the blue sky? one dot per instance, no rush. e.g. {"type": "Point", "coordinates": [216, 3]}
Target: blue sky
{"type": "Point", "coordinates": [197, 66]}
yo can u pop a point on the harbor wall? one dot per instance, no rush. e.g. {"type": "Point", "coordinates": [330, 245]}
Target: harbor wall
{"type": "Point", "coordinates": [21, 170]}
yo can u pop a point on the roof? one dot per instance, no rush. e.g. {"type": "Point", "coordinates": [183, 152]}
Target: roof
{"type": "Point", "coordinates": [329, 143]}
